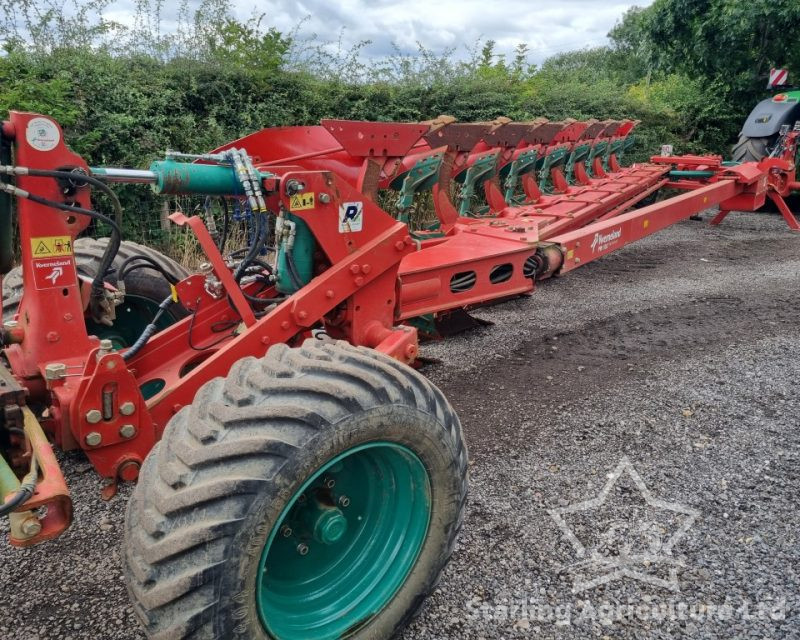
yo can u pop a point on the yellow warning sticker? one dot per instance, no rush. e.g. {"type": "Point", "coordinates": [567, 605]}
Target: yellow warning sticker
{"type": "Point", "coordinates": [300, 201]}
{"type": "Point", "coordinates": [51, 246]}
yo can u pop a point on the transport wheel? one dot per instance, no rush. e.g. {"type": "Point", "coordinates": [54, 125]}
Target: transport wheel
{"type": "Point", "coordinates": [144, 290]}
{"type": "Point", "coordinates": [752, 149]}
{"type": "Point", "coordinates": [314, 493]}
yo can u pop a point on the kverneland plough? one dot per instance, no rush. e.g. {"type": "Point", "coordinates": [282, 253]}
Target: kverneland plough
{"type": "Point", "coordinates": [296, 479]}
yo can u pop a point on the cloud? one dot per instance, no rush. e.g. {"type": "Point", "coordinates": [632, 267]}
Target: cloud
{"type": "Point", "coordinates": [547, 28]}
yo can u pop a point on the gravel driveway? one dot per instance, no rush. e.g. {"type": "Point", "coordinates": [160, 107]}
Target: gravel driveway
{"type": "Point", "coordinates": [646, 401]}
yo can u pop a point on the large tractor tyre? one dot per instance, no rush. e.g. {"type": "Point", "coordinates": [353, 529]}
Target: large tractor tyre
{"type": "Point", "coordinates": [145, 289]}
{"type": "Point", "coordinates": [313, 493]}
{"type": "Point", "coordinates": [752, 149]}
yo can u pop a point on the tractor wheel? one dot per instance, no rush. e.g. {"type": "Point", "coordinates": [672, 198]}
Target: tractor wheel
{"type": "Point", "coordinates": [752, 149]}
{"type": "Point", "coordinates": [144, 288]}
{"type": "Point", "coordinates": [314, 493]}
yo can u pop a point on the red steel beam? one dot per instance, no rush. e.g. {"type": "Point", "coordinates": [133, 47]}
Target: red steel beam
{"type": "Point", "coordinates": [600, 238]}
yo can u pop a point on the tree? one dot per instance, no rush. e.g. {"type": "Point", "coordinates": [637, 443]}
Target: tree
{"type": "Point", "coordinates": [732, 42]}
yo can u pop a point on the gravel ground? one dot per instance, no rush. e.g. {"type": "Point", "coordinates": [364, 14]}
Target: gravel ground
{"type": "Point", "coordinates": [679, 353]}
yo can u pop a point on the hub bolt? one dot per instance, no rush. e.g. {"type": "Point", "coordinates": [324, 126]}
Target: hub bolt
{"type": "Point", "coordinates": [127, 431]}
{"type": "Point", "coordinates": [93, 416]}
{"type": "Point", "coordinates": [344, 501]}
{"type": "Point", "coordinates": [127, 408]}
{"type": "Point", "coordinates": [330, 483]}
{"type": "Point", "coordinates": [93, 438]}
{"type": "Point", "coordinates": [302, 549]}
{"type": "Point", "coordinates": [286, 531]}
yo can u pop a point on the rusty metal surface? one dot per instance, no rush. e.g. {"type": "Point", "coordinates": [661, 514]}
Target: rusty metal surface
{"type": "Point", "coordinates": [571, 132]}
{"type": "Point", "coordinates": [545, 132]}
{"type": "Point", "coordinates": [594, 129]}
{"type": "Point", "coordinates": [508, 136]}
{"type": "Point", "coordinates": [458, 136]}
{"type": "Point", "coordinates": [611, 129]}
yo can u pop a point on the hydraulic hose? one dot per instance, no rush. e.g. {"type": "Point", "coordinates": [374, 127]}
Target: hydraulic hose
{"type": "Point", "coordinates": [98, 285]}
{"type": "Point", "coordinates": [148, 332]}
{"type": "Point", "coordinates": [146, 262]}
{"type": "Point", "coordinates": [223, 239]}
{"type": "Point", "coordinates": [253, 249]}
{"type": "Point", "coordinates": [98, 282]}
{"type": "Point", "coordinates": [25, 491]}
{"type": "Point", "coordinates": [297, 281]}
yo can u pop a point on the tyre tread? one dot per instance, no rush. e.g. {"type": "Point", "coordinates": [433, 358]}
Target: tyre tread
{"type": "Point", "coordinates": [252, 420]}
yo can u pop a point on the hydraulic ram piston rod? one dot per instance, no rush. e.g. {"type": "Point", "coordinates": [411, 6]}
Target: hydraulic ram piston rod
{"type": "Point", "coordinates": [130, 176]}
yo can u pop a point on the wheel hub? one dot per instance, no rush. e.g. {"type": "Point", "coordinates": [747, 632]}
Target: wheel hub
{"type": "Point", "coordinates": [344, 544]}
{"type": "Point", "coordinates": [325, 523]}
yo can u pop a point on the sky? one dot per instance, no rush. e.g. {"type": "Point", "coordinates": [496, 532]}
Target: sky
{"type": "Point", "coordinates": [546, 27]}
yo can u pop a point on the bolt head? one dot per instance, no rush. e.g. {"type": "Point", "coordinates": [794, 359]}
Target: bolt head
{"type": "Point", "coordinates": [127, 408]}
{"type": "Point", "coordinates": [55, 371]}
{"type": "Point", "coordinates": [344, 501]}
{"type": "Point", "coordinates": [93, 416]}
{"type": "Point", "coordinates": [286, 531]}
{"type": "Point", "coordinates": [127, 431]}
{"type": "Point", "coordinates": [330, 483]}
{"type": "Point", "coordinates": [93, 438]}
{"type": "Point", "coordinates": [324, 198]}
{"type": "Point", "coordinates": [31, 527]}
{"type": "Point", "coordinates": [106, 344]}
{"type": "Point", "coordinates": [302, 549]}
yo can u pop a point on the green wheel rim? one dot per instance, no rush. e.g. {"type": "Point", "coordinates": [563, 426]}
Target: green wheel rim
{"type": "Point", "coordinates": [344, 544]}
{"type": "Point", "coordinates": [133, 315]}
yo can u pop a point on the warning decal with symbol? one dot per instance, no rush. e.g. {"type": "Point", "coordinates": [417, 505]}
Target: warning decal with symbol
{"type": "Point", "coordinates": [49, 273]}
{"type": "Point", "coordinates": [51, 246]}
{"type": "Point", "coordinates": [301, 201]}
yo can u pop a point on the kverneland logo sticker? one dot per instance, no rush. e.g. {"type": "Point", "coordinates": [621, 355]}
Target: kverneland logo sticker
{"type": "Point", "coordinates": [603, 241]}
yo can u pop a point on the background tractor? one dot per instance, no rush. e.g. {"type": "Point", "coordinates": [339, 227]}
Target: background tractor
{"type": "Point", "coordinates": [762, 129]}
